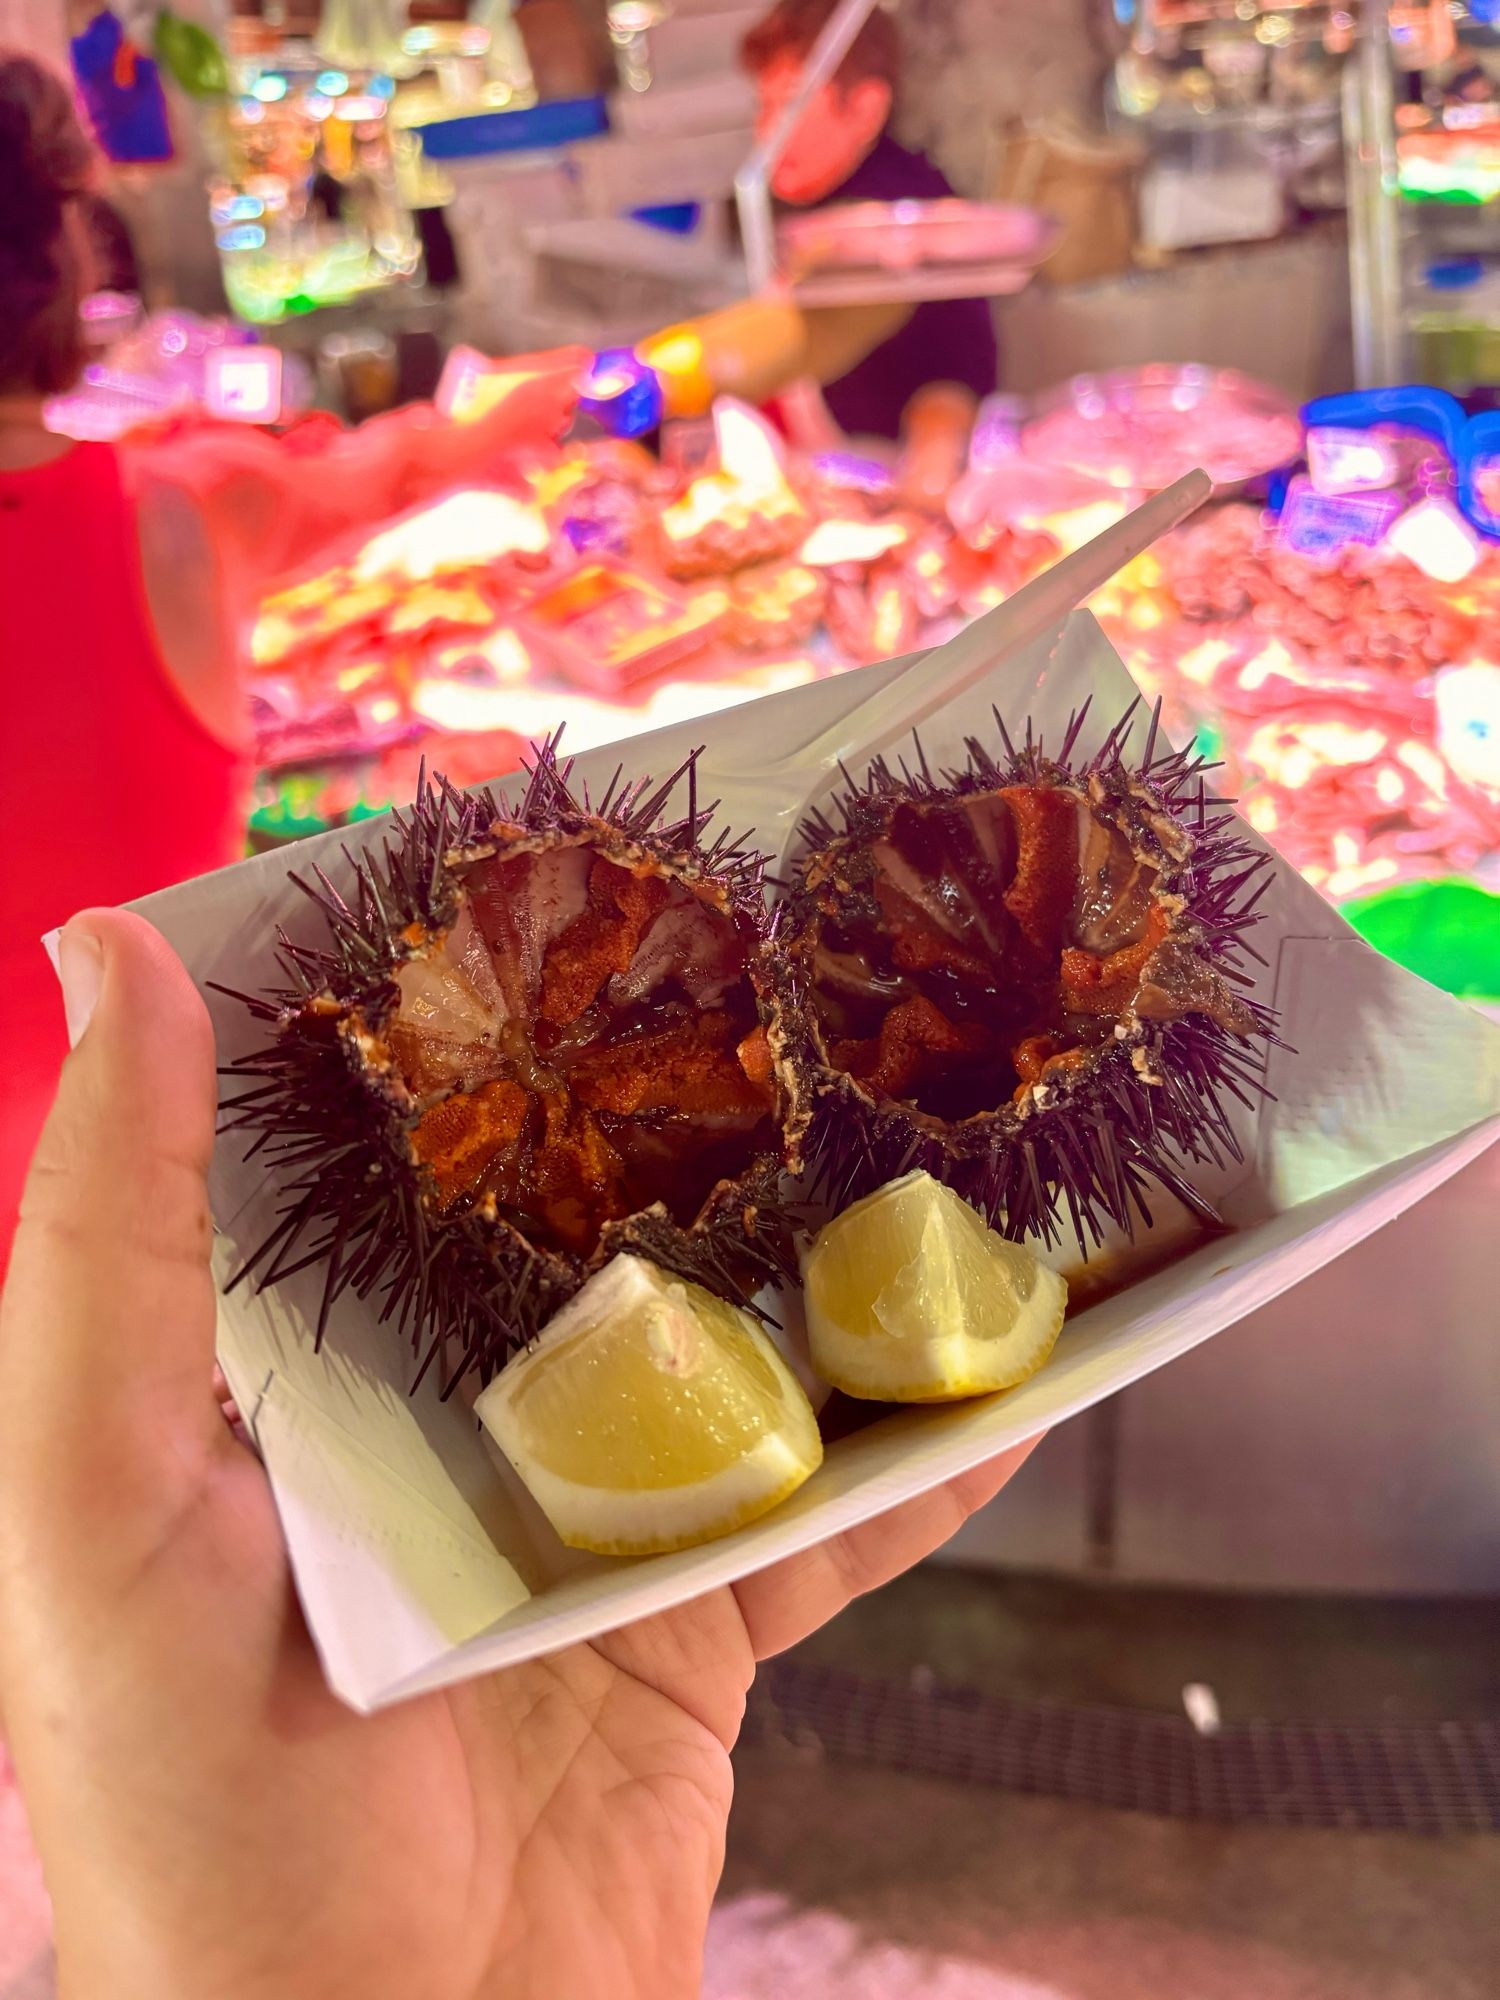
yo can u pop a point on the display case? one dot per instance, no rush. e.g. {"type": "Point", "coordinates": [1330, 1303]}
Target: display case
{"type": "Point", "coordinates": [1422, 142]}
{"type": "Point", "coordinates": [1238, 103]}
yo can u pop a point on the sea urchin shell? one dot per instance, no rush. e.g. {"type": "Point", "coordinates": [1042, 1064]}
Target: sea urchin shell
{"type": "Point", "coordinates": [540, 1032]}
{"type": "Point", "coordinates": [1022, 976]}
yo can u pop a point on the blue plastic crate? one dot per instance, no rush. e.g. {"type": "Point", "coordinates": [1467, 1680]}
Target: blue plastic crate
{"type": "Point", "coordinates": [533, 130]}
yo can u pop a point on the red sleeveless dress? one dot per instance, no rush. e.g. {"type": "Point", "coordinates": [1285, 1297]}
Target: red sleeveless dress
{"type": "Point", "coordinates": [110, 787]}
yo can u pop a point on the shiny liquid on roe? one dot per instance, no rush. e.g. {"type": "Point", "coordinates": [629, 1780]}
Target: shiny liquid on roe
{"type": "Point", "coordinates": [999, 939]}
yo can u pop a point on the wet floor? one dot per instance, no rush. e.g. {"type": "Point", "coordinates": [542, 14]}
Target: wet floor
{"type": "Point", "coordinates": [848, 1881]}
{"type": "Point", "coordinates": [855, 1884]}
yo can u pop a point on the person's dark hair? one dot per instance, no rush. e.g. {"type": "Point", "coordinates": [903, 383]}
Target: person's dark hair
{"type": "Point", "coordinates": [793, 27]}
{"type": "Point", "coordinates": [45, 263]}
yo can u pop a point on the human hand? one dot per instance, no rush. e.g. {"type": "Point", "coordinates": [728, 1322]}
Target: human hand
{"type": "Point", "coordinates": [263, 507]}
{"type": "Point", "coordinates": [525, 401]}
{"type": "Point", "coordinates": [212, 1823]}
{"type": "Point", "coordinates": [539, 392]}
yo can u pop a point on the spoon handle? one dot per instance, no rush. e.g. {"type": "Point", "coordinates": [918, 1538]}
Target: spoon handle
{"type": "Point", "coordinates": [937, 677]}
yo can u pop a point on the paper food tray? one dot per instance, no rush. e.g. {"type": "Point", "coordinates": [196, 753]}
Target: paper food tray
{"type": "Point", "coordinates": [420, 1561]}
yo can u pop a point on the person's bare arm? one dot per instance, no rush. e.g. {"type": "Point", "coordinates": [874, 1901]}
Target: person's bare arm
{"type": "Point", "coordinates": [223, 512]}
{"type": "Point", "coordinates": [268, 509]}
{"type": "Point", "coordinates": [838, 338]}
{"type": "Point", "coordinates": [758, 347]}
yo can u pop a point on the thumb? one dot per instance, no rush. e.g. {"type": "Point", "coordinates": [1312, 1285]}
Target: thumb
{"type": "Point", "coordinates": [107, 1325]}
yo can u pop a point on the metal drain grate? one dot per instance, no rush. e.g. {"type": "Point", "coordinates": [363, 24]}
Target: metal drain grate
{"type": "Point", "coordinates": [1434, 1778]}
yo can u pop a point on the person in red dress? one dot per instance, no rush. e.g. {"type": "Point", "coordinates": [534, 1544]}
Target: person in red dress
{"type": "Point", "coordinates": [127, 573]}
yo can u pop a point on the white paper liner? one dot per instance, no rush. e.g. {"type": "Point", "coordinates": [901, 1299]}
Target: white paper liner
{"type": "Point", "coordinates": [418, 1559]}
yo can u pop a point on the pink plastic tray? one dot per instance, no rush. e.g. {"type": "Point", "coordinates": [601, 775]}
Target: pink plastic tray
{"type": "Point", "coordinates": [1138, 429]}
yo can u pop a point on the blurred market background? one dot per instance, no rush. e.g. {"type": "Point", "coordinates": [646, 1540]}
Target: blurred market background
{"type": "Point", "coordinates": [1254, 1599]}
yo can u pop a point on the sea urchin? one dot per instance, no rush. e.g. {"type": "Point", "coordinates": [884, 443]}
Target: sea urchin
{"type": "Point", "coordinates": [1021, 976]}
{"type": "Point", "coordinates": [538, 1032]}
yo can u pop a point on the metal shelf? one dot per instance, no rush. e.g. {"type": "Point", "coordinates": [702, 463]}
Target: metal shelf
{"type": "Point", "coordinates": [871, 287]}
{"type": "Point", "coordinates": [1269, 120]}
{"type": "Point", "coordinates": [1386, 230]}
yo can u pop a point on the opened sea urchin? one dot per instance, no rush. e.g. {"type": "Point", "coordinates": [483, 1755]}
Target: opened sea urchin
{"type": "Point", "coordinates": [1022, 976]}
{"type": "Point", "coordinates": [537, 1033]}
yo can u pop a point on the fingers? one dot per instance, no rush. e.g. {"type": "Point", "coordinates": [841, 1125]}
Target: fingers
{"type": "Point", "coordinates": [539, 396]}
{"type": "Point", "coordinates": [783, 1604]}
{"type": "Point", "coordinates": [108, 1316]}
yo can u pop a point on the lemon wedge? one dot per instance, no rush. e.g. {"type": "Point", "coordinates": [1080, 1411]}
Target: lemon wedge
{"type": "Point", "coordinates": [650, 1415]}
{"type": "Point", "coordinates": [910, 1298]}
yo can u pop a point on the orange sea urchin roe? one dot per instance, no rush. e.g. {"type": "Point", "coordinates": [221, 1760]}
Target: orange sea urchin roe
{"type": "Point", "coordinates": [1040, 1056]}
{"type": "Point", "coordinates": [1092, 984]}
{"type": "Point", "coordinates": [463, 1138]}
{"type": "Point", "coordinates": [992, 943]}
{"type": "Point", "coordinates": [1041, 894]}
{"type": "Point", "coordinates": [622, 908]}
{"type": "Point", "coordinates": [576, 1175]}
{"type": "Point", "coordinates": [686, 1067]}
{"type": "Point", "coordinates": [583, 1042]}
{"type": "Point", "coordinates": [913, 1040]}
{"type": "Point", "coordinates": [755, 1059]}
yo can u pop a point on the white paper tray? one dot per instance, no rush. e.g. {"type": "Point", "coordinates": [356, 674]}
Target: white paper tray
{"type": "Point", "coordinates": [418, 1559]}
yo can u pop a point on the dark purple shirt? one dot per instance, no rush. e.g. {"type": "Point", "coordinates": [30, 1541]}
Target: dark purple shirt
{"type": "Point", "coordinates": [945, 340]}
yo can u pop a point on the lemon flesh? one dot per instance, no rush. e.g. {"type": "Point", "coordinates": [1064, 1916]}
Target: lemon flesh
{"type": "Point", "coordinates": [650, 1415]}
{"type": "Point", "coordinates": [911, 1298]}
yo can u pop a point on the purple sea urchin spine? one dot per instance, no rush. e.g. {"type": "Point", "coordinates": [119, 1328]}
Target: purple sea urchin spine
{"type": "Point", "coordinates": [1087, 1141]}
{"type": "Point", "coordinates": [329, 1113]}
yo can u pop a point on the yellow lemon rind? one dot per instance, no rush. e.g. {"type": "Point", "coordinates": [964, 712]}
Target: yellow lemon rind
{"type": "Point", "coordinates": [946, 1386]}
{"type": "Point", "coordinates": [663, 1543]}
{"type": "Point", "coordinates": [653, 1521]}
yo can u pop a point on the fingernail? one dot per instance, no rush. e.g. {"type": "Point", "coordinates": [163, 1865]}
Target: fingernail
{"type": "Point", "coordinates": [80, 967]}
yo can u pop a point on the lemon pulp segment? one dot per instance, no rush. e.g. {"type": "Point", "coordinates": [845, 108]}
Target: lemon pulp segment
{"type": "Point", "coordinates": [911, 1297]}
{"type": "Point", "coordinates": [651, 1415]}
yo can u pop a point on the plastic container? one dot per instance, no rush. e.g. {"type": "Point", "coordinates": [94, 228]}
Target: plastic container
{"type": "Point", "coordinates": [533, 129]}
{"type": "Point", "coordinates": [1210, 183]}
{"type": "Point", "coordinates": [1138, 429]}
{"type": "Point", "coordinates": [1456, 325]}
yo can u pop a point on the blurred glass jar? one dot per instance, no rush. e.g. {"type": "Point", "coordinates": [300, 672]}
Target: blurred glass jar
{"type": "Point", "coordinates": [357, 372]}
